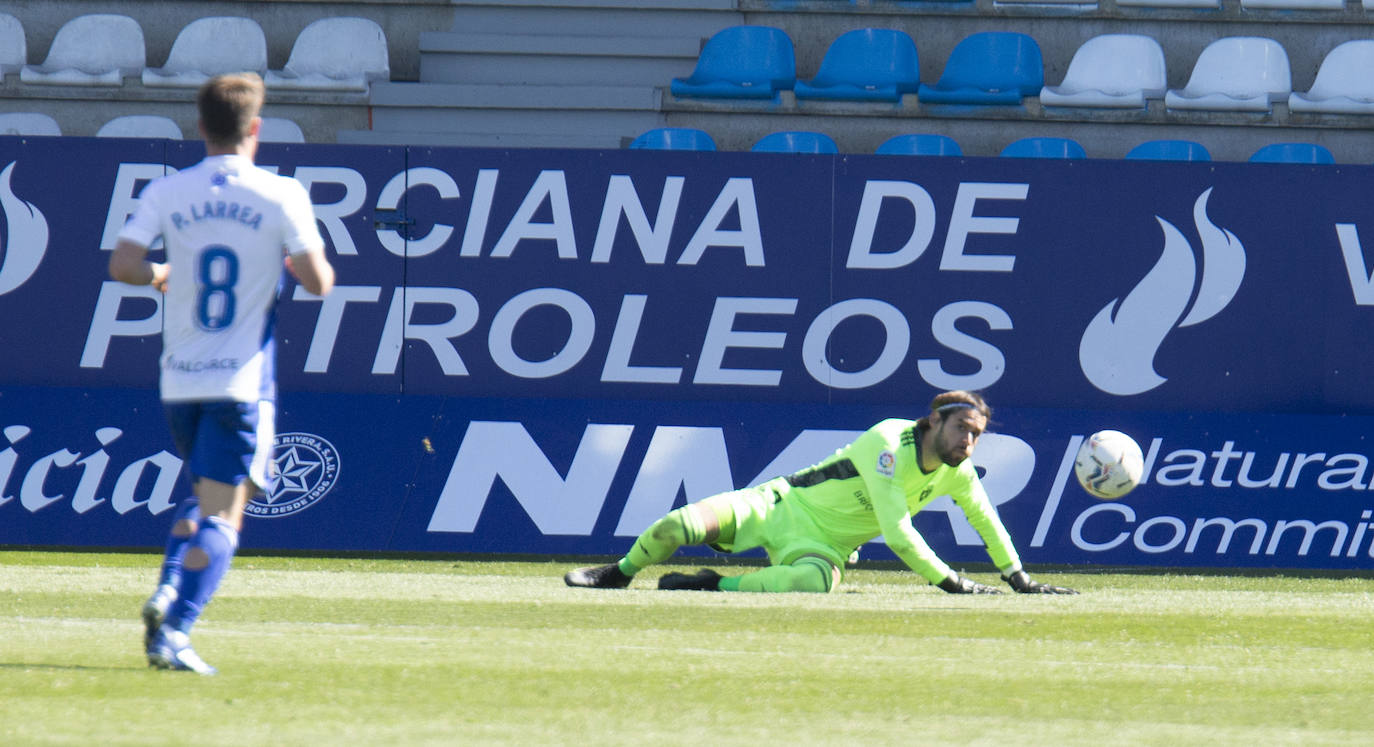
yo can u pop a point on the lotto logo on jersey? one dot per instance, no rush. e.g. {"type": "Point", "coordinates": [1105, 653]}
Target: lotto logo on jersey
{"type": "Point", "coordinates": [307, 468]}
{"type": "Point", "coordinates": [886, 462]}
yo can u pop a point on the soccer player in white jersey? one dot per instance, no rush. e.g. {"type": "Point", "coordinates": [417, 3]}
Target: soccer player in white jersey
{"type": "Point", "coordinates": [229, 229]}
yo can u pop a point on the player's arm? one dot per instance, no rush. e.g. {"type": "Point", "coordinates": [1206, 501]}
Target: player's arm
{"type": "Point", "coordinates": [894, 519]}
{"type": "Point", "coordinates": [305, 260]}
{"type": "Point", "coordinates": [129, 264]}
{"type": "Point", "coordinates": [312, 270]}
{"type": "Point", "coordinates": [983, 518]}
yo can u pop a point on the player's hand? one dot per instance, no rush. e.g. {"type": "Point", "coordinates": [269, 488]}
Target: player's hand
{"type": "Point", "coordinates": [1022, 583]}
{"type": "Point", "coordinates": [957, 584]}
{"type": "Point", "coordinates": [160, 272]}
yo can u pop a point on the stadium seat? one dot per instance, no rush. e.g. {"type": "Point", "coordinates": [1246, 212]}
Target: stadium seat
{"type": "Point", "coordinates": [140, 125]}
{"type": "Point", "coordinates": [279, 130]}
{"type": "Point", "coordinates": [1212, 4]}
{"type": "Point", "coordinates": [674, 138]}
{"type": "Point", "coordinates": [741, 62]}
{"type": "Point", "coordinates": [1111, 70]}
{"type": "Point", "coordinates": [210, 46]}
{"type": "Point", "coordinates": [14, 50]}
{"type": "Point", "coordinates": [1074, 4]}
{"type": "Point", "coordinates": [1344, 84]}
{"type": "Point", "coordinates": [28, 123]}
{"type": "Point", "coordinates": [1292, 4]}
{"type": "Point", "coordinates": [1044, 147]}
{"type": "Point", "coordinates": [795, 142]}
{"type": "Point", "coordinates": [1169, 150]}
{"type": "Point", "coordinates": [335, 54]}
{"type": "Point", "coordinates": [1292, 153]}
{"type": "Point", "coordinates": [866, 65]}
{"type": "Point", "coordinates": [989, 67]}
{"type": "Point", "coordinates": [1237, 73]}
{"type": "Point", "coordinates": [920, 145]}
{"type": "Point", "coordinates": [91, 50]}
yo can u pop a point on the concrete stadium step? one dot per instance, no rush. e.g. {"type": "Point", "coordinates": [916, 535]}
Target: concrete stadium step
{"type": "Point", "coordinates": [630, 18]}
{"type": "Point", "coordinates": [576, 125]}
{"type": "Point", "coordinates": [545, 59]}
{"type": "Point", "coordinates": [561, 116]}
{"type": "Point", "coordinates": [604, 141]}
{"type": "Point", "coordinates": [465, 96]}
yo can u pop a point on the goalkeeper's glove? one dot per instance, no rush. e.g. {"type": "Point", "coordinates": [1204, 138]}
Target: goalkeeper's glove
{"type": "Point", "coordinates": [956, 584]}
{"type": "Point", "coordinates": [1022, 583]}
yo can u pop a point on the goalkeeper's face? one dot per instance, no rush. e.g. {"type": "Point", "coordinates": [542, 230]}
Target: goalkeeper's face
{"type": "Point", "coordinates": [956, 434]}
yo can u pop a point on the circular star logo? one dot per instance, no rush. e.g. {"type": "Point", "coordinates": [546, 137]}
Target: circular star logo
{"type": "Point", "coordinates": [307, 468]}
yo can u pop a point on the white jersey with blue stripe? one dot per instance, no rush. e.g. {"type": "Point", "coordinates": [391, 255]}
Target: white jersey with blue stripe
{"type": "Point", "coordinates": [226, 225]}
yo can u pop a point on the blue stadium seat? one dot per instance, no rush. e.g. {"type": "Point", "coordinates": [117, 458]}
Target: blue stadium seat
{"type": "Point", "coordinates": [989, 67]}
{"type": "Point", "coordinates": [1044, 147]}
{"type": "Point", "coordinates": [742, 62]}
{"type": "Point", "coordinates": [795, 142]}
{"type": "Point", "coordinates": [674, 138]}
{"type": "Point", "coordinates": [1169, 150]}
{"type": "Point", "coordinates": [866, 65]}
{"type": "Point", "coordinates": [1292, 153]}
{"type": "Point", "coordinates": [920, 145]}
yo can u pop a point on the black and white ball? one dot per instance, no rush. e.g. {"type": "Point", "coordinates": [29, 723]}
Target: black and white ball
{"type": "Point", "coordinates": [1109, 464]}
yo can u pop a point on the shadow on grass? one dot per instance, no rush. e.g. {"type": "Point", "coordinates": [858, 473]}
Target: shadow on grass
{"type": "Point", "coordinates": [21, 666]}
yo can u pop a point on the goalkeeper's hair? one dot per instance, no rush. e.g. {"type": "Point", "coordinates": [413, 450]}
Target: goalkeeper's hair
{"type": "Point", "coordinates": [958, 399]}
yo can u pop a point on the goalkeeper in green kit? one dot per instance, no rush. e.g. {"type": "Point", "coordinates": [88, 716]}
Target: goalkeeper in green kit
{"type": "Point", "coordinates": [811, 521]}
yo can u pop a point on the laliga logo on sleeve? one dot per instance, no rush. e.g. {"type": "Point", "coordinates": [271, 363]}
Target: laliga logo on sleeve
{"type": "Point", "coordinates": [886, 463]}
{"type": "Point", "coordinates": [1118, 348]}
{"type": "Point", "coordinates": [307, 468]}
{"type": "Point", "coordinates": [26, 240]}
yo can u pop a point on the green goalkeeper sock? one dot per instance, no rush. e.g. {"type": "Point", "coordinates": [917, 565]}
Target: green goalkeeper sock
{"type": "Point", "coordinates": [806, 574]}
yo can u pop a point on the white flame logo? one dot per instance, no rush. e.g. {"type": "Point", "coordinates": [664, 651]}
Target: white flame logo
{"type": "Point", "coordinates": [27, 238]}
{"type": "Point", "coordinates": [1118, 348]}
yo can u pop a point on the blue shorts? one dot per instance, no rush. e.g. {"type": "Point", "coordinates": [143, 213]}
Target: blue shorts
{"type": "Point", "coordinates": [223, 440]}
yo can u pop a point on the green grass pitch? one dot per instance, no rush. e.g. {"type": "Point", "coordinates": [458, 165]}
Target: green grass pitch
{"type": "Point", "coordinates": [362, 652]}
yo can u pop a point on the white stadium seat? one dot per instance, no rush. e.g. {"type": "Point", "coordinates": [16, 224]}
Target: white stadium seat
{"type": "Point", "coordinates": [1237, 73]}
{"type": "Point", "coordinates": [209, 47]}
{"type": "Point", "coordinates": [1344, 84]}
{"type": "Point", "coordinates": [1293, 4]}
{"type": "Point", "coordinates": [1111, 70]}
{"type": "Point", "coordinates": [1214, 4]}
{"type": "Point", "coordinates": [13, 47]}
{"type": "Point", "coordinates": [91, 50]}
{"type": "Point", "coordinates": [28, 123]}
{"type": "Point", "coordinates": [335, 54]}
{"type": "Point", "coordinates": [140, 125]}
{"type": "Point", "coordinates": [279, 130]}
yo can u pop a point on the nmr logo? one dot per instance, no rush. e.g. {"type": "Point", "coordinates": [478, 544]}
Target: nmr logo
{"type": "Point", "coordinates": [1118, 347]}
{"type": "Point", "coordinates": [26, 239]}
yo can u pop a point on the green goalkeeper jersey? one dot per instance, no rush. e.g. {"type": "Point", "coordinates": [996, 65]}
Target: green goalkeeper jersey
{"type": "Point", "coordinates": [875, 485]}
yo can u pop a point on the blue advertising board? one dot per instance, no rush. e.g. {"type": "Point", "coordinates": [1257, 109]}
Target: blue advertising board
{"type": "Point", "coordinates": [542, 351]}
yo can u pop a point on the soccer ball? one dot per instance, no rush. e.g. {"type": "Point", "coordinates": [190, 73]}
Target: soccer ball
{"type": "Point", "coordinates": [1109, 464]}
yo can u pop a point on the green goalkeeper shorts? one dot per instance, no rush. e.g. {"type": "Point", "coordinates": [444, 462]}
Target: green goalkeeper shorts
{"type": "Point", "coordinates": [764, 519]}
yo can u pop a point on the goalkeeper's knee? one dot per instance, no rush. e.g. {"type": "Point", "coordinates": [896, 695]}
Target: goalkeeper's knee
{"type": "Point", "coordinates": [688, 525]}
